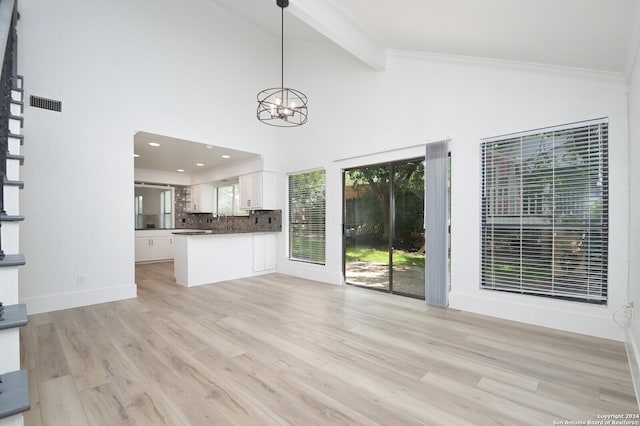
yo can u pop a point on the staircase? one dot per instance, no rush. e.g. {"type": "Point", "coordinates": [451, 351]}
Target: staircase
{"type": "Point", "coordinates": [14, 383]}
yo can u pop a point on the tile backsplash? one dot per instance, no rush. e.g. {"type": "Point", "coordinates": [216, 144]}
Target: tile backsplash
{"type": "Point", "coordinates": [258, 220]}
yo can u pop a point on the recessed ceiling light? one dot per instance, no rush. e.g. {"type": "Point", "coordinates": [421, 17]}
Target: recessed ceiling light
{"type": "Point", "coordinates": [180, 171]}
{"type": "Point", "coordinates": [226, 156]}
{"type": "Point", "coordinates": [209, 147]}
{"type": "Point", "coordinates": [154, 144]}
{"type": "Point", "coordinates": [199, 164]}
{"type": "Point", "coordinates": [136, 155]}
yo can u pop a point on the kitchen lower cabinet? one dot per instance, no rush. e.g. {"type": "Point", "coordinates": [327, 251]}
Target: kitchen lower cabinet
{"type": "Point", "coordinates": [264, 252]}
{"type": "Point", "coordinates": [154, 247]}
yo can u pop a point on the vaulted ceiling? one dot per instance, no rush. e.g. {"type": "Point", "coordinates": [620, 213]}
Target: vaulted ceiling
{"type": "Point", "coordinates": [589, 34]}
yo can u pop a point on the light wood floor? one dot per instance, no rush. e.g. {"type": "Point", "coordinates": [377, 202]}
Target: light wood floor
{"type": "Point", "coordinates": [281, 350]}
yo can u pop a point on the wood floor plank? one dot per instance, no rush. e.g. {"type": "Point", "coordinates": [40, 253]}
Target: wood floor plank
{"type": "Point", "coordinates": [50, 360]}
{"type": "Point", "coordinates": [519, 411]}
{"type": "Point", "coordinates": [176, 393]}
{"type": "Point", "coordinates": [138, 393]}
{"type": "Point", "coordinates": [60, 403]}
{"type": "Point", "coordinates": [275, 349]}
{"type": "Point", "coordinates": [33, 416]}
{"type": "Point", "coordinates": [213, 384]}
{"type": "Point", "coordinates": [79, 352]}
{"type": "Point", "coordinates": [103, 408]}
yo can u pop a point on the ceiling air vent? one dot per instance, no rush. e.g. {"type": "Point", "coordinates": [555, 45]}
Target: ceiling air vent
{"type": "Point", "coordinates": [44, 103]}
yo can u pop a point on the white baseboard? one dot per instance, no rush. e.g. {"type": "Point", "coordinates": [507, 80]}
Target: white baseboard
{"type": "Point", "coordinates": [309, 271]}
{"type": "Point", "coordinates": [74, 299]}
{"type": "Point", "coordinates": [634, 356]}
{"type": "Point", "coordinates": [591, 320]}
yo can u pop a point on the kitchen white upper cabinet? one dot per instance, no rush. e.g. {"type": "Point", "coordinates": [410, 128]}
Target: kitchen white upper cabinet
{"type": "Point", "coordinates": [258, 191]}
{"type": "Point", "coordinates": [201, 200]}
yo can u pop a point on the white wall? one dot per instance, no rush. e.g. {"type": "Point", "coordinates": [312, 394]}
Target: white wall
{"type": "Point", "coordinates": [186, 69]}
{"type": "Point", "coordinates": [354, 112]}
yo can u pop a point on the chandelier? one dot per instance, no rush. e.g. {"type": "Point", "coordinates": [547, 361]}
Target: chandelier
{"type": "Point", "coordinates": [282, 106]}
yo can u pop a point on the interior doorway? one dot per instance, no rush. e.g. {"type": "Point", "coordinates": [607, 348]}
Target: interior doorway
{"type": "Point", "coordinates": [384, 239]}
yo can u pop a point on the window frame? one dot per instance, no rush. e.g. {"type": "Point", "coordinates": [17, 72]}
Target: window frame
{"type": "Point", "coordinates": [320, 223]}
{"type": "Point", "coordinates": [235, 202]}
{"type": "Point", "coordinates": [555, 212]}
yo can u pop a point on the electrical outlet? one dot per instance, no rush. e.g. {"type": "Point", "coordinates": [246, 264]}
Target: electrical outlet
{"type": "Point", "coordinates": [628, 309]}
{"type": "Point", "coordinates": [82, 280]}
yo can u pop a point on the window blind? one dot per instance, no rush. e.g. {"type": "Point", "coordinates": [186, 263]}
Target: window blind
{"type": "Point", "coordinates": [545, 212]}
{"type": "Point", "coordinates": [436, 216]}
{"type": "Point", "coordinates": [307, 203]}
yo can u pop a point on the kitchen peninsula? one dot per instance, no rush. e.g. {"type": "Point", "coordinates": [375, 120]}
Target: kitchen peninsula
{"type": "Point", "coordinates": [226, 248]}
{"type": "Point", "coordinates": [204, 257]}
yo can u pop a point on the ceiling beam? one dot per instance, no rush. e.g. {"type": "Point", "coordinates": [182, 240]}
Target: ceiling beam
{"type": "Point", "coordinates": [329, 22]}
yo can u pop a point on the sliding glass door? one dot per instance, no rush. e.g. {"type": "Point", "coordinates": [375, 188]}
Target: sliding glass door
{"type": "Point", "coordinates": [367, 227]}
{"type": "Point", "coordinates": [408, 243]}
{"type": "Point", "coordinates": [384, 227]}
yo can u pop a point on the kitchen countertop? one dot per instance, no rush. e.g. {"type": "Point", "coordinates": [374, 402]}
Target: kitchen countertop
{"type": "Point", "coordinates": [184, 231]}
{"type": "Point", "coordinates": [218, 232]}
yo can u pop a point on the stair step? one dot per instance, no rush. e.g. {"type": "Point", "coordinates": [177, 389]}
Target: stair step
{"type": "Point", "coordinates": [17, 136]}
{"type": "Point", "coordinates": [11, 218]}
{"type": "Point", "coordinates": [16, 157]}
{"type": "Point", "coordinates": [17, 118]}
{"type": "Point", "coordinates": [18, 183]}
{"type": "Point", "coordinates": [14, 316]}
{"type": "Point", "coordinates": [14, 393]}
{"type": "Point", "coordinates": [17, 82]}
{"type": "Point", "coordinates": [12, 260]}
{"type": "Point", "coordinates": [18, 104]}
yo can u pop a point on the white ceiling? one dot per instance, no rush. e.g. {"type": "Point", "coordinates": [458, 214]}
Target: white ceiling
{"type": "Point", "coordinates": [173, 154]}
{"type": "Point", "coordinates": [589, 34]}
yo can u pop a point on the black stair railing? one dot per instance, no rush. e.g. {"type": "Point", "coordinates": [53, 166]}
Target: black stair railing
{"type": "Point", "coordinates": [8, 78]}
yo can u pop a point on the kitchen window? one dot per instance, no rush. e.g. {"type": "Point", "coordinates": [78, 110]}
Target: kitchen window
{"type": "Point", "coordinates": [228, 200]}
{"type": "Point", "coordinates": [166, 207]}
{"type": "Point", "coordinates": [545, 211]}
{"type": "Point", "coordinates": [307, 209]}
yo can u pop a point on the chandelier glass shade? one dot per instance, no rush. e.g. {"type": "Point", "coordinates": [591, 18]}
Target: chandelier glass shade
{"type": "Point", "coordinates": [282, 106]}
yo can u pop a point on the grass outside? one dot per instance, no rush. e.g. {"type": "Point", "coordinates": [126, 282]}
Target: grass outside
{"type": "Point", "coordinates": [381, 256]}
{"type": "Point", "coordinates": [516, 273]}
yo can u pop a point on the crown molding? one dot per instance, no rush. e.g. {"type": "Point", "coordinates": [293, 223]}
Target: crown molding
{"type": "Point", "coordinates": [618, 77]}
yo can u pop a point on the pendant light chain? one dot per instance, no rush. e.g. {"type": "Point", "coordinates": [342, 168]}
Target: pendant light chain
{"type": "Point", "coordinates": [282, 47]}
{"type": "Point", "coordinates": [282, 107]}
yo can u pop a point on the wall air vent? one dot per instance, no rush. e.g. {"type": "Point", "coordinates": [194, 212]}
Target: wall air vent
{"type": "Point", "coordinates": [44, 103]}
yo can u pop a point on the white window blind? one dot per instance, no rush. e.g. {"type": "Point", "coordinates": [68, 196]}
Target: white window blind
{"type": "Point", "coordinates": [545, 212]}
{"type": "Point", "coordinates": [307, 216]}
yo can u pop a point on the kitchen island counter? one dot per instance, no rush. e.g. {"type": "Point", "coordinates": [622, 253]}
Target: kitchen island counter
{"type": "Point", "coordinates": [203, 257]}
